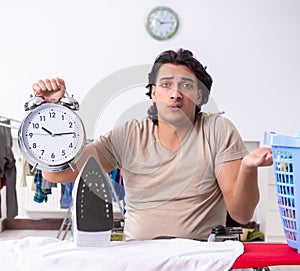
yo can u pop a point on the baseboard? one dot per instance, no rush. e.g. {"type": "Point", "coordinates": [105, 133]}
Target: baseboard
{"type": "Point", "coordinates": [31, 224]}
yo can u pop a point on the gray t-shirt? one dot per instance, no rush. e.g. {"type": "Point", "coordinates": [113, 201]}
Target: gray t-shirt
{"type": "Point", "coordinates": [172, 193]}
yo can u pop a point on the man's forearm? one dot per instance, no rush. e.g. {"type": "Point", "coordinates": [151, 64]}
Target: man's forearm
{"type": "Point", "coordinates": [245, 196]}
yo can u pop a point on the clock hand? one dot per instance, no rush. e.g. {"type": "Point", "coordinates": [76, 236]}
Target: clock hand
{"type": "Point", "coordinates": [160, 22]}
{"type": "Point", "coordinates": [47, 131]}
{"type": "Point", "coordinates": [36, 134]}
{"type": "Point", "coordinates": [66, 133]}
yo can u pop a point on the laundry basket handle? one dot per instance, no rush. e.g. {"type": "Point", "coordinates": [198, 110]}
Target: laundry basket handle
{"type": "Point", "coordinates": [268, 138]}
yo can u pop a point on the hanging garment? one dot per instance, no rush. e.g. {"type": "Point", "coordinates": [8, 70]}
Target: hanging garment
{"type": "Point", "coordinates": [8, 167]}
{"type": "Point", "coordinates": [40, 195]}
{"type": "Point", "coordinates": [2, 181]}
{"type": "Point", "coordinates": [66, 199]}
{"type": "Point", "coordinates": [2, 184]}
{"type": "Point", "coordinates": [26, 171]}
{"type": "Point", "coordinates": [47, 186]}
{"type": "Point", "coordinates": [117, 181]}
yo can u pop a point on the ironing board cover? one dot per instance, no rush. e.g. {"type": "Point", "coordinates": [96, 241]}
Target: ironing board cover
{"type": "Point", "coordinates": [50, 254]}
{"type": "Point", "coordinates": [266, 254]}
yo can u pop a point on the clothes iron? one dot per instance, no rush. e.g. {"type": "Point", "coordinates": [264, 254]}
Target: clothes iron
{"type": "Point", "coordinates": [92, 207]}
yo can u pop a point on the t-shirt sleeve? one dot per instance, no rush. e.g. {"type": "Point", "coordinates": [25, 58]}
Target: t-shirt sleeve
{"type": "Point", "coordinates": [104, 145]}
{"type": "Point", "coordinates": [229, 145]}
{"type": "Point", "coordinates": [114, 144]}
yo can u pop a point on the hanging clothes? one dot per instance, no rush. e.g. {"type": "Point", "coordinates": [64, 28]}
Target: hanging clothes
{"type": "Point", "coordinates": [2, 181]}
{"type": "Point", "coordinates": [39, 195]}
{"type": "Point", "coordinates": [8, 168]}
{"type": "Point", "coordinates": [117, 178]}
{"type": "Point", "coordinates": [26, 171]}
{"type": "Point", "coordinates": [47, 186]}
{"type": "Point", "coordinates": [66, 199]}
{"type": "Point", "coordinates": [43, 187]}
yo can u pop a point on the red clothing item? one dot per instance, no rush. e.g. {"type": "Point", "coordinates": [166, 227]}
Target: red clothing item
{"type": "Point", "coordinates": [2, 181]}
{"type": "Point", "coordinates": [264, 254]}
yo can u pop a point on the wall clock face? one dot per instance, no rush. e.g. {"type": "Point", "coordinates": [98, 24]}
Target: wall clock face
{"type": "Point", "coordinates": [162, 23]}
{"type": "Point", "coordinates": [51, 137]}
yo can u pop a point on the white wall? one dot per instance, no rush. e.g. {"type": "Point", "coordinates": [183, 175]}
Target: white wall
{"type": "Point", "coordinates": [251, 49]}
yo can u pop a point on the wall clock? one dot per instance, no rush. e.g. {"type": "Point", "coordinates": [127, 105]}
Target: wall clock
{"type": "Point", "coordinates": [162, 23]}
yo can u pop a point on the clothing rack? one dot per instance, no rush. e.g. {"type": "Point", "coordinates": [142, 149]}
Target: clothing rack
{"type": "Point", "coordinates": [2, 118]}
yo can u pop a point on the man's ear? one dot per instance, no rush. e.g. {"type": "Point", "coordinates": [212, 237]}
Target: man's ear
{"type": "Point", "coordinates": [199, 96]}
{"type": "Point", "coordinates": [153, 93]}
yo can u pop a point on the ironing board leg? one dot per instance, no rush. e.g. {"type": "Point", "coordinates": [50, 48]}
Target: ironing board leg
{"type": "Point", "coordinates": [66, 224]}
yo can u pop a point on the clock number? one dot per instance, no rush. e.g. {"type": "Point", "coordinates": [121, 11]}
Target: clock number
{"type": "Point", "coordinates": [42, 118]}
{"type": "Point", "coordinates": [62, 117]}
{"type": "Point", "coordinates": [35, 125]}
{"type": "Point", "coordinates": [71, 145]}
{"type": "Point", "coordinates": [52, 155]}
{"type": "Point", "coordinates": [52, 115]}
{"type": "Point", "coordinates": [34, 145]}
{"type": "Point", "coordinates": [42, 152]}
{"type": "Point", "coordinates": [70, 124]}
{"type": "Point", "coordinates": [30, 135]}
{"type": "Point", "coordinates": [63, 153]}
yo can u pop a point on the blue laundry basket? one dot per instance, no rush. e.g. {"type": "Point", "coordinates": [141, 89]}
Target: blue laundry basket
{"type": "Point", "coordinates": [286, 161]}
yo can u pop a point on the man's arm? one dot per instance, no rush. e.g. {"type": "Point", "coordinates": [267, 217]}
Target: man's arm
{"type": "Point", "coordinates": [238, 183]}
{"type": "Point", "coordinates": [69, 174]}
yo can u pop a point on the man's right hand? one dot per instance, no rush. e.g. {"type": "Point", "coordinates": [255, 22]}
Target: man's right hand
{"type": "Point", "coordinates": [52, 90]}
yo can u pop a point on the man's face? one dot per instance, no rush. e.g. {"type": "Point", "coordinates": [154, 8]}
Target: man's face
{"type": "Point", "coordinates": [176, 93]}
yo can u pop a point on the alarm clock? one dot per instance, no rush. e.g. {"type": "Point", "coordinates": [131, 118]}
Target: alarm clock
{"type": "Point", "coordinates": [52, 136]}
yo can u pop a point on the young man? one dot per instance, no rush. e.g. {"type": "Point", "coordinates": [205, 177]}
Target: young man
{"type": "Point", "coordinates": [182, 170]}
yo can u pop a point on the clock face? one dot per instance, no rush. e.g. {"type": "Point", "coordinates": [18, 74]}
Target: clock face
{"type": "Point", "coordinates": [162, 23]}
{"type": "Point", "coordinates": [51, 136]}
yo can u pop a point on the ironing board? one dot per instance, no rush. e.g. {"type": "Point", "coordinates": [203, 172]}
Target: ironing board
{"type": "Point", "coordinates": [266, 254]}
{"type": "Point", "coordinates": [51, 254]}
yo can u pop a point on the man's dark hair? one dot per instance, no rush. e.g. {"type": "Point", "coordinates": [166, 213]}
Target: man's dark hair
{"type": "Point", "coordinates": [181, 57]}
